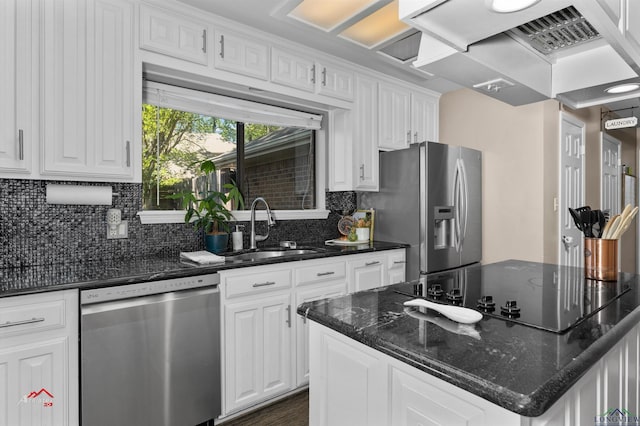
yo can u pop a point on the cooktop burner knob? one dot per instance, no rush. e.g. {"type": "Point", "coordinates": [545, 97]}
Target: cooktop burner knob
{"type": "Point", "coordinates": [486, 304]}
{"type": "Point", "coordinates": [510, 309]}
{"type": "Point", "coordinates": [435, 291]}
{"type": "Point", "coordinates": [455, 296]}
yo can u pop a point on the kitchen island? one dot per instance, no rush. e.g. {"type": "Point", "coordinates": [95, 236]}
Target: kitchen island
{"type": "Point", "coordinates": [373, 361]}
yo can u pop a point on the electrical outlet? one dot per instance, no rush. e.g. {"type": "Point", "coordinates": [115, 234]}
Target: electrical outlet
{"type": "Point", "coordinates": [119, 231]}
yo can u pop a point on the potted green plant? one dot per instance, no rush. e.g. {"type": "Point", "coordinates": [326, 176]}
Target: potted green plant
{"type": "Point", "coordinates": [209, 208]}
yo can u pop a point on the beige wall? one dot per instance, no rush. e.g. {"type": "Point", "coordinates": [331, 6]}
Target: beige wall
{"type": "Point", "coordinates": [520, 148]}
{"type": "Point", "coordinates": [512, 143]}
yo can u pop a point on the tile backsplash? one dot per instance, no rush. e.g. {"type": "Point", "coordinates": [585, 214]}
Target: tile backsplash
{"type": "Point", "coordinates": [33, 232]}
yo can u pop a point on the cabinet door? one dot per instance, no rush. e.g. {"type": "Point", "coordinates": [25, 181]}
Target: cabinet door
{"type": "Point", "coordinates": [241, 55]}
{"type": "Point", "coordinates": [424, 118]}
{"type": "Point", "coordinates": [396, 267]}
{"type": "Point", "coordinates": [394, 119]}
{"type": "Point", "coordinates": [17, 86]}
{"type": "Point", "coordinates": [173, 35]}
{"type": "Point", "coordinates": [292, 70]}
{"type": "Point", "coordinates": [87, 85]}
{"type": "Point", "coordinates": [257, 350]}
{"type": "Point", "coordinates": [335, 81]}
{"type": "Point", "coordinates": [367, 273]}
{"type": "Point", "coordinates": [35, 387]}
{"type": "Point", "coordinates": [331, 289]}
{"type": "Point", "coordinates": [366, 160]}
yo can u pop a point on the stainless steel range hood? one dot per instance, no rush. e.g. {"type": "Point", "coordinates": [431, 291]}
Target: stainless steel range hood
{"type": "Point", "coordinates": [554, 49]}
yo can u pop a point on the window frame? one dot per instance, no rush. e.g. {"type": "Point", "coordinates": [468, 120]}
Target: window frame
{"type": "Point", "coordinates": [320, 212]}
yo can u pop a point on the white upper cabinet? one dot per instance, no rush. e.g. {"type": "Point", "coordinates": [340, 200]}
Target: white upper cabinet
{"type": "Point", "coordinates": [241, 54]}
{"type": "Point", "coordinates": [17, 86]}
{"type": "Point", "coordinates": [86, 77]}
{"type": "Point", "coordinates": [335, 81]}
{"type": "Point", "coordinates": [293, 70]}
{"type": "Point", "coordinates": [394, 117]}
{"type": "Point", "coordinates": [173, 35]}
{"type": "Point", "coordinates": [304, 73]}
{"type": "Point", "coordinates": [365, 147]}
{"type": "Point", "coordinates": [424, 117]}
{"type": "Point", "coordinates": [406, 117]}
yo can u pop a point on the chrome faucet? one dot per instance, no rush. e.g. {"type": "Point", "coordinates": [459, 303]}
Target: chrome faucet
{"type": "Point", "coordinates": [253, 238]}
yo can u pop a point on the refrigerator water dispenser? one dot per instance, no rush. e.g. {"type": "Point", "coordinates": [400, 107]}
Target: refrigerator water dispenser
{"type": "Point", "coordinates": [443, 227]}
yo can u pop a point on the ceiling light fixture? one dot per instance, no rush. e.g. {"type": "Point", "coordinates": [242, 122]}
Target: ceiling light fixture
{"type": "Point", "coordinates": [380, 26]}
{"type": "Point", "coordinates": [509, 6]}
{"type": "Point", "coordinates": [328, 14]}
{"type": "Point", "coordinates": [623, 88]}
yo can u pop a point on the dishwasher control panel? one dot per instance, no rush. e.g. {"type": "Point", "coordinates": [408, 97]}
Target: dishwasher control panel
{"type": "Point", "coordinates": [126, 291]}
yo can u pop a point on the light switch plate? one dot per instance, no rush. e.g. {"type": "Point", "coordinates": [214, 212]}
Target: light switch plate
{"type": "Point", "coordinates": [121, 231]}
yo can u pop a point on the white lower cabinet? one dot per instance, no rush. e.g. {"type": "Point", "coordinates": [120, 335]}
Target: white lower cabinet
{"type": "Point", "coordinates": [39, 359]}
{"type": "Point", "coordinates": [317, 279]}
{"type": "Point", "coordinates": [257, 332]}
{"type": "Point", "coordinates": [357, 385]}
{"type": "Point", "coordinates": [265, 342]}
{"type": "Point", "coordinates": [367, 272]}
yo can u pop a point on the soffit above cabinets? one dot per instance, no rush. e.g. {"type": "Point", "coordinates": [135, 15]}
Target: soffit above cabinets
{"type": "Point", "coordinates": [553, 49]}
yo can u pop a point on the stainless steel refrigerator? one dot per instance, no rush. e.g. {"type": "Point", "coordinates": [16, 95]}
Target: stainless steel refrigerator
{"type": "Point", "coordinates": [431, 198]}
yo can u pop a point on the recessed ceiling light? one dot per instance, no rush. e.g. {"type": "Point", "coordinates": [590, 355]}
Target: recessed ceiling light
{"type": "Point", "coordinates": [623, 88]}
{"type": "Point", "coordinates": [508, 6]}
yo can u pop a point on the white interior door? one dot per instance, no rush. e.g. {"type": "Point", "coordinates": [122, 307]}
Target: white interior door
{"type": "Point", "coordinates": [610, 184]}
{"type": "Point", "coordinates": [571, 188]}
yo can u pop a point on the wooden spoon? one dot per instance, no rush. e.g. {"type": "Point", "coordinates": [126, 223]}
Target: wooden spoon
{"type": "Point", "coordinates": [625, 224]}
{"type": "Point", "coordinates": [609, 226]}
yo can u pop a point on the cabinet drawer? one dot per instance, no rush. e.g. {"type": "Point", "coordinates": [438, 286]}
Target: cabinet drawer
{"type": "Point", "coordinates": [257, 282]}
{"type": "Point", "coordinates": [19, 317]}
{"type": "Point", "coordinates": [320, 273]}
{"type": "Point", "coordinates": [396, 260]}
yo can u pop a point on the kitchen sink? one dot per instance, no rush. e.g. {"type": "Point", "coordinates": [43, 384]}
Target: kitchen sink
{"type": "Point", "coordinates": [262, 254]}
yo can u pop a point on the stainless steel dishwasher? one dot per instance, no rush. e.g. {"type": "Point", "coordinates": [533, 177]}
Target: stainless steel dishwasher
{"type": "Point", "coordinates": [150, 353]}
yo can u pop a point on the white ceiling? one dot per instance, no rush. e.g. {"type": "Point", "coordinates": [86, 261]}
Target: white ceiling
{"type": "Point", "coordinates": [270, 16]}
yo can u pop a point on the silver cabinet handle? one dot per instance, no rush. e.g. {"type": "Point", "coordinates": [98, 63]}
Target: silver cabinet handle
{"type": "Point", "coordinates": [20, 144]}
{"type": "Point", "coordinates": [266, 283]}
{"type": "Point", "coordinates": [313, 74]}
{"type": "Point", "coordinates": [128, 148]}
{"type": "Point", "coordinates": [204, 41]}
{"type": "Point", "coordinates": [13, 324]}
{"type": "Point", "coordinates": [409, 136]}
{"type": "Point", "coordinates": [415, 137]}
{"type": "Point", "coordinates": [222, 46]}
{"type": "Point", "coordinates": [361, 171]}
{"type": "Point", "coordinates": [324, 76]}
{"type": "Point", "coordinates": [322, 274]}
{"type": "Point", "coordinates": [289, 316]}
{"type": "Point", "coordinates": [399, 261]}
{"type": "Point", "coordinates": [375, 262]}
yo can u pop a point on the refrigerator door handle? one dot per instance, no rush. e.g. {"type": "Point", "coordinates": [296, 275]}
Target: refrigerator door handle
{"type": "Point", "coordinates": [464, 201]}
{"type": "Point", "coordinates": [456, 204]}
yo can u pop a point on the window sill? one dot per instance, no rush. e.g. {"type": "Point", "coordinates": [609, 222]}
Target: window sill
{"type": "Point", "coordinates": [150, 217]}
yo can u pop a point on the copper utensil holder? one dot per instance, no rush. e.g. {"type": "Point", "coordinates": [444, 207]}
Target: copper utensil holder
{"type": "Point", "coordinates": [601, 259]}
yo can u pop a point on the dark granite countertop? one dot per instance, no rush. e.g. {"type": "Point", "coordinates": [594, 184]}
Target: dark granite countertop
{"type": "Point", "coordinates": [520, 368]}
{"type": "Point", "coordinates": [85, 275]}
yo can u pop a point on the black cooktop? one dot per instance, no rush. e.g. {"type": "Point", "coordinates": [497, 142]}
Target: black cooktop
{"type": "Point", "coordinates": [545, 296]}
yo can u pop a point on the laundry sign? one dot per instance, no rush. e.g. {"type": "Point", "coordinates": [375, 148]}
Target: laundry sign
{"type": "Point", "coordinates": [621, 123]}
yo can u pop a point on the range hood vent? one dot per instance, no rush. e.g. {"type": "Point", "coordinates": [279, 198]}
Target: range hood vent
{"type": "Point", "coordinates": [557, 31]}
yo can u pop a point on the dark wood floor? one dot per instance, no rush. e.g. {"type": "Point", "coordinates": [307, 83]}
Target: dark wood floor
{"type": "Point", "coordinates": [291, 411]}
